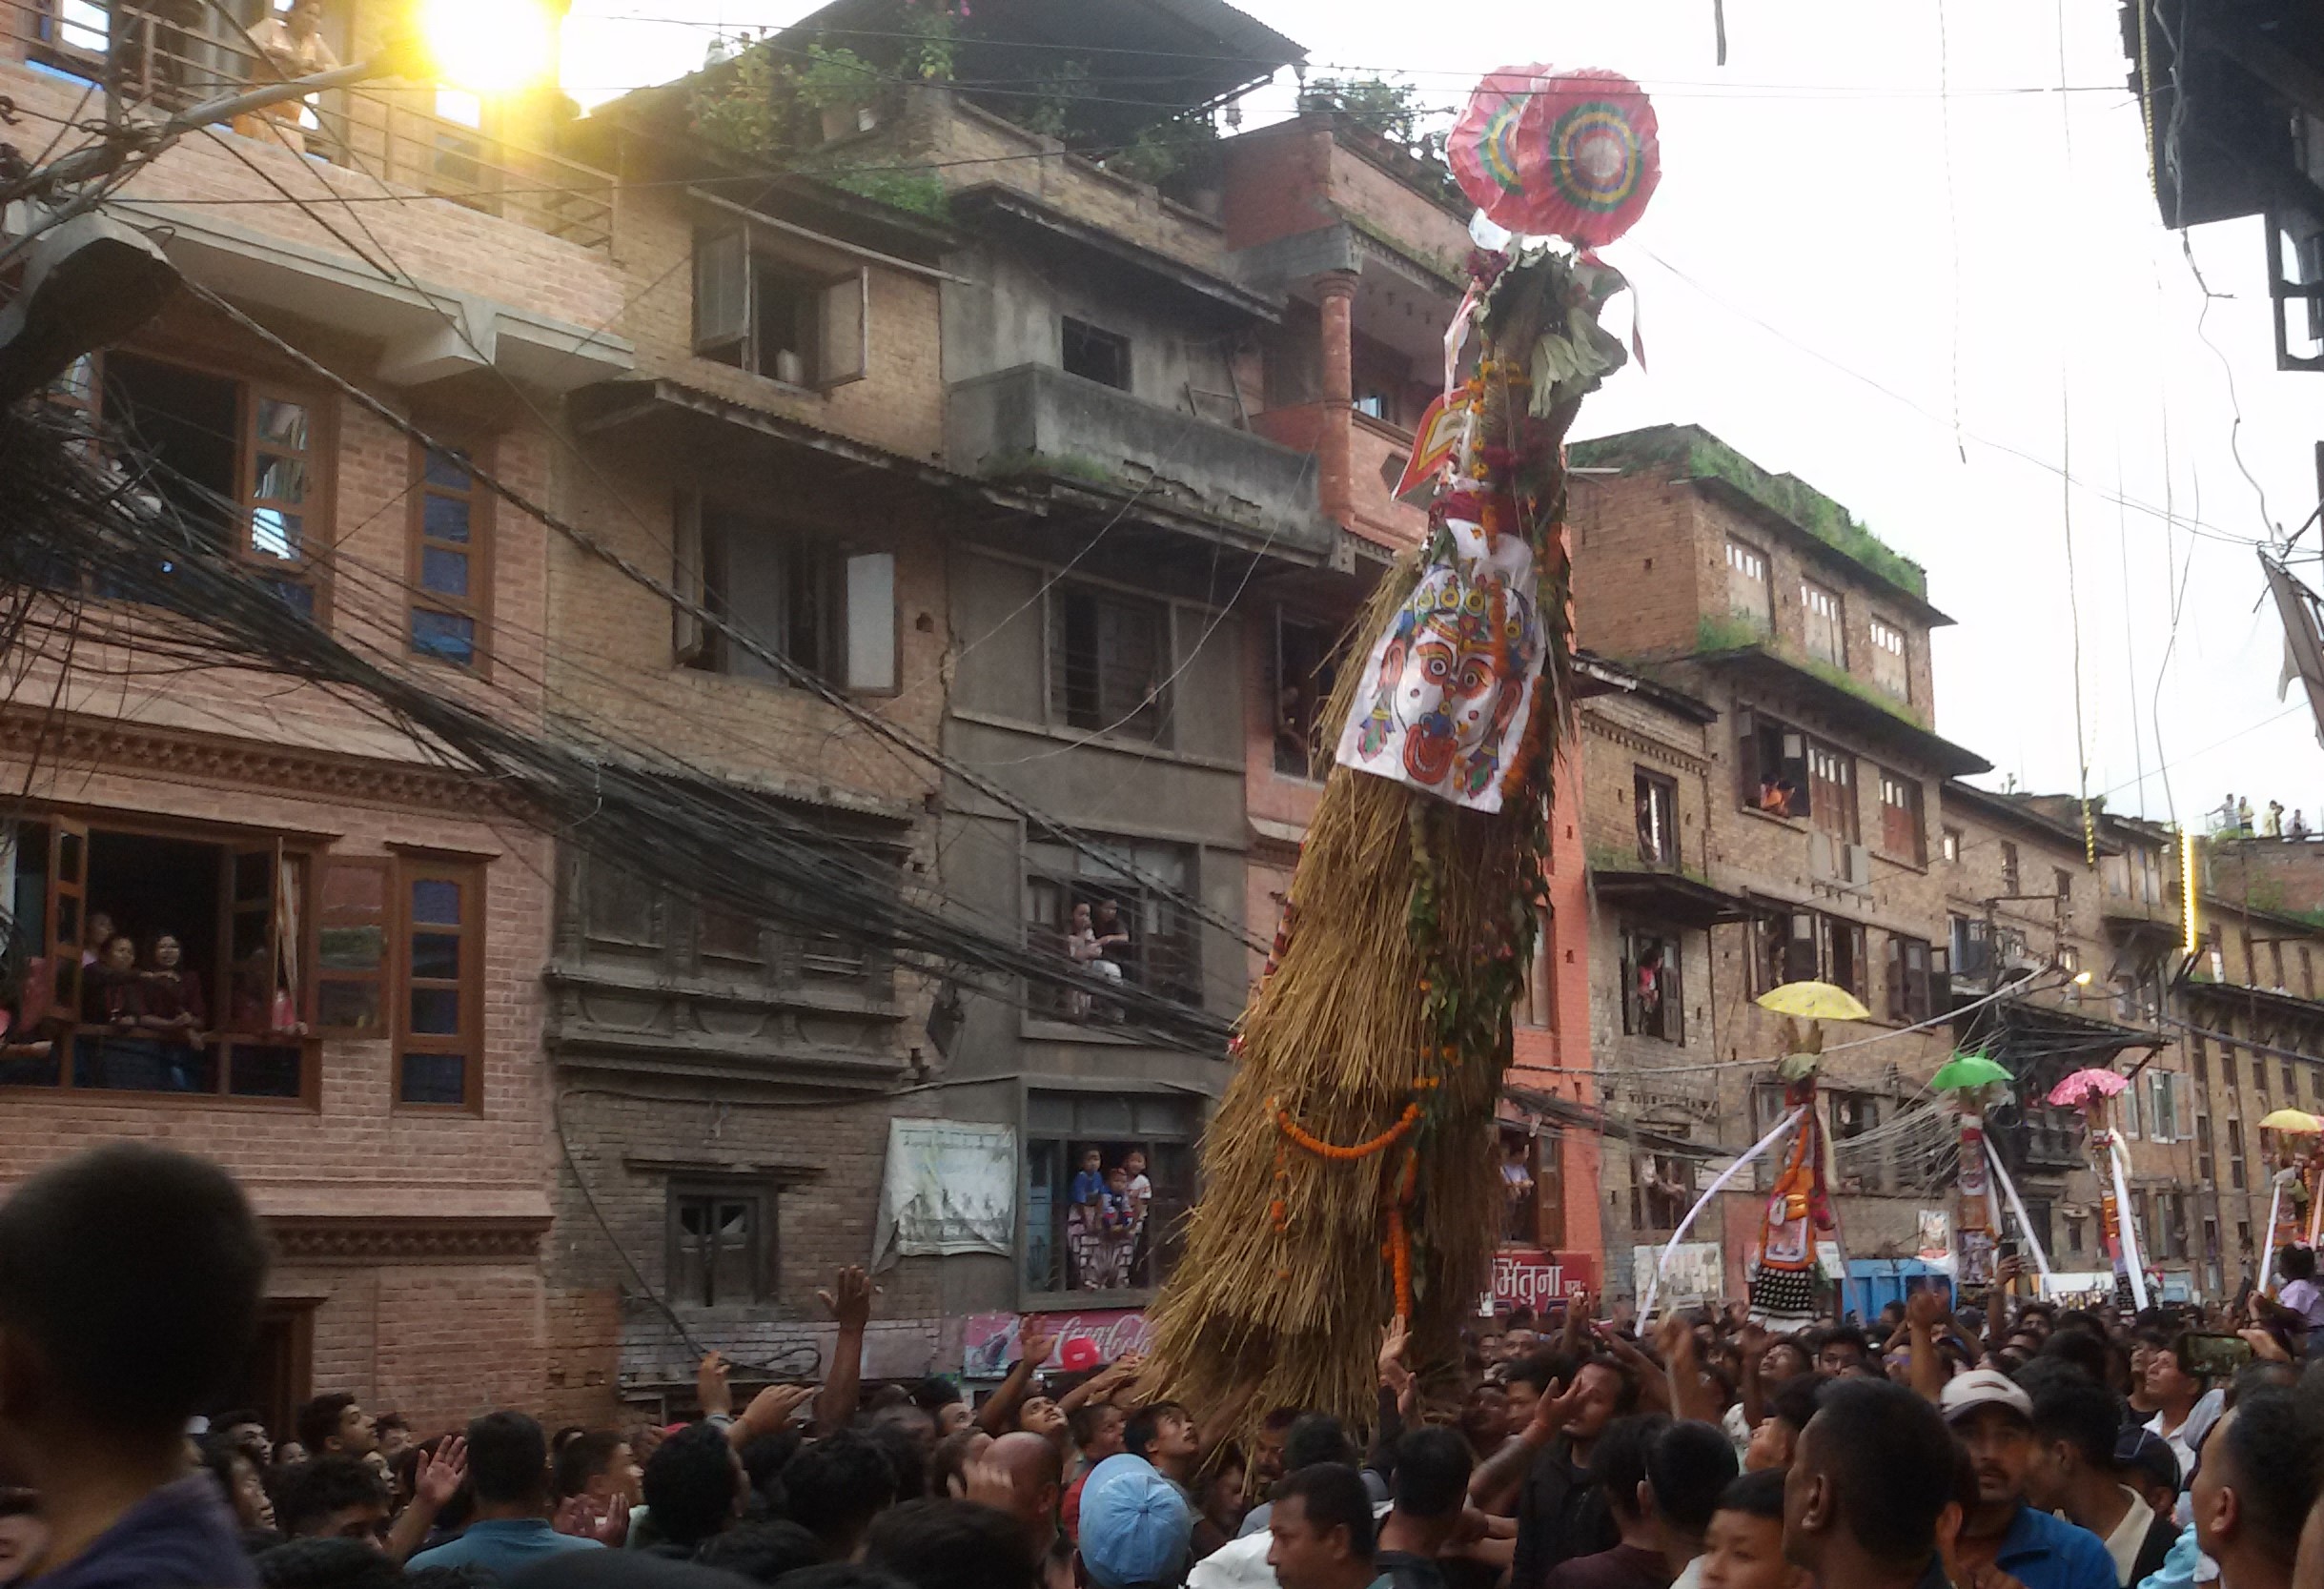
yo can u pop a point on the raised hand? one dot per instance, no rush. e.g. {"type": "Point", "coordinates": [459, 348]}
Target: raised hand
{"type": "Point", "coordinates": [710, 1385]}
{"type": "Point", "coordinates": [1035, 1342]}
{"type": "Point", "coordinates": [849, 1299]}
{"type": "Point", "coordinates": [1396, 1340]}
{"type": "Point", "coordinates": [774, 1407]}
{"type": "Point", "coordinates": [439, 1476]}
{"type": "Point", "coordinates": [1924, 1310]}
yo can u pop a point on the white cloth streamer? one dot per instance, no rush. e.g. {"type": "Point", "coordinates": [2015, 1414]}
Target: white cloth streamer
{"type": "Point", "coordinates": [1655, 1283]}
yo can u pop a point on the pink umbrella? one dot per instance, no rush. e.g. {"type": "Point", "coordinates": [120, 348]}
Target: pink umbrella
{"type": "Point", "coordinates": [2076, 1090]}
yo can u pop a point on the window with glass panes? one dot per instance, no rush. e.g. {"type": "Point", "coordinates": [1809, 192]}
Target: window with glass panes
{"type": "Point", "coordinates": [1823, 626]}
{"type": "Point", "coordinates": [1088, 1228]}
{"type": "Point", "coordinates": [1748, 591]}
{"type": "Point", "coordinates": [440, 1049]}
{"type": "Point", "coordinates": [450, 568]}
{"type": "Point", "coordinates": [721, 1244]}
{"type": "Point", "coordinates": [1890, 658]}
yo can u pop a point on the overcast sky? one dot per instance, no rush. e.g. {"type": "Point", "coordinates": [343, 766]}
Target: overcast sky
{"type": "Point", "coordinates": [1827, 278]}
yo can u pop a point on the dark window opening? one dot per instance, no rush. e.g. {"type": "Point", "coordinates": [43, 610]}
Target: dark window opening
{"type": "Point", "coordinates": [1107, 656]}
{"type": "Point", "coordinates": [1844, 955]}
{"type": "Point", "coordinates": [1307, 665]}
{"type": "Point", "coordinates": [722, 1246]}
{"type": "Point", "coordinates": [1110, 928]}
{"type": "Point", "coordinates": [1653, 998]}
{"type": "Point", "coordinates": [1094, 355]}
{"type": "Point", "coordinates": [147, 963]}
{"type": "Point", "coordinates": [1090, 1225]}
{"type": "Point", "coordinates": [1909, 1000]}
{"type": "Point", "coordinates": [1656, 798]}
{"type": "Point", "coordinates": [1774, 765]}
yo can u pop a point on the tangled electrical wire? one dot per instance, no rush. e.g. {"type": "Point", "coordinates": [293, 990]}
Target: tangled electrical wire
{"type": "Point", "coordinates": [100, 547]}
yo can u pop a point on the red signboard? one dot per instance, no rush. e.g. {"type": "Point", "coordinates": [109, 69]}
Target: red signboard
{"type": "Point", "coordinates": [1536, 1278]}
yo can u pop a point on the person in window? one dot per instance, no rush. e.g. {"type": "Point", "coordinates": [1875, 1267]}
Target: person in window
{"type": "Point", "coordinates": [1141, 1202]}
{"type": "Point", "coordinates": [289, 47]}
{"type": "Point", "coordinates": [174, 1010]}
{"type": "Point", "coordinates": [1650, 987]}
{"type": "Point", "coordinates": [1121, 1219]}
{"type": "Point", "coordinates": [1113, 948]}
{"type": "Point", "coordinates": [1081, 948]}
{"type": "Point", "coordinates": [1649, 842]}
{"type": "Point", "coordinates": [1085, 1239]}
{"type": "Point", "coordinates": [100, 933]}
{"type": "Point", "coordinates": [1517, 1185]}
{"type": "Point", "coordinates": [111, 993]}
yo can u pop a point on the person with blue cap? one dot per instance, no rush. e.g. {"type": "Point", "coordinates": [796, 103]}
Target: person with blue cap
{"type": "Point", "coordinates": [1135, 1526]}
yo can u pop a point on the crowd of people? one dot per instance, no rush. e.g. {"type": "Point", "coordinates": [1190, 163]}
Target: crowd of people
{"type": "Point", "coordinates": [2017, 1446]}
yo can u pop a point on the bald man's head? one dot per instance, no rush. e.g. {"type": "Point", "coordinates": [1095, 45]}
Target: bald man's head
{"type": "Point", "coordinates": [1036, 1472]}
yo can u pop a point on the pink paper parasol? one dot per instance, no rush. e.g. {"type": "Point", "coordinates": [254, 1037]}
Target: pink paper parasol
{"type": "Point", "coordinates": [1573, 154]}
{"type": "Point", "coordinates": [2076, 1090]}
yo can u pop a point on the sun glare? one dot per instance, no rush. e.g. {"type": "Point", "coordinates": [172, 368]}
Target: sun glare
{"type": "Point", "coordinates": [489, 45]}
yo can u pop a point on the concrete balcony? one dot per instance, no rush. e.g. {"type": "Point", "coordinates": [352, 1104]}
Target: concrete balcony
{"type": "Point", "coordinates": [1036, 426]}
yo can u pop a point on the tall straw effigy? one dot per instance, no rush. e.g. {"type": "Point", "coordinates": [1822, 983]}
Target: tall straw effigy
{"type": "Point", "coordinates": [1348, 1177]}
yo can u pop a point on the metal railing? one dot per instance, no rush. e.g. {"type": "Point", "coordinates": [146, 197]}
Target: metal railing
{"type": "Point", "coordinates": [168, 55]}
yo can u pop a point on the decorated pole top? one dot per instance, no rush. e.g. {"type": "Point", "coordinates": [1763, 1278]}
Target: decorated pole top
{"type": "Point", "coordinates": [1550, 154]}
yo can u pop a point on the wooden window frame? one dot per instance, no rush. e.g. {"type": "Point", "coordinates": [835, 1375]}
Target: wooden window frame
{"type": "Point", "coordinates": [1762, 610]}
{"type": "Point", "coordinates": [1812, 595]}
{"type": "Point", "coordinates": [468, 1041]}
{"type": "Point", "coordinates": [1648, 791]}
{"type": "Point", "coordinates": [1883, 631]}
{"type": "Point", "coordinates": [318, 508]}
{"type": "Point", "coordinates": [290, 861]}
{"type": "Point", "coordinates": [1671, 1009]}
{"type": "Point", "coordinates": [1911, 809]}
{"type": "Point", "coordinates": [1056, 687]}
{"type": "Point", "coordinates": [477, 606]}
{"type": "Point", "coordinates": [322, 919]}
{"type": "Point", "coordinates": [766, 1247]}
{"type": "Point", "coordinates": [759, 253]}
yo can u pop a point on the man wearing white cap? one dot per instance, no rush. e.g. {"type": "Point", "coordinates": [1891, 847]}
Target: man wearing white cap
{"type": "Point", "coordinates": [1992, 1418]}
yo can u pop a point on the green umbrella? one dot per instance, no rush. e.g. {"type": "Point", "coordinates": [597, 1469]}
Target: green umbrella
{"type": "Point", "coordinates": [1965, 1071]}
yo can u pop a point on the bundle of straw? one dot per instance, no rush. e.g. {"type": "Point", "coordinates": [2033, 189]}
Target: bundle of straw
{"type": "Point", "coordinates": [1350, 1172]}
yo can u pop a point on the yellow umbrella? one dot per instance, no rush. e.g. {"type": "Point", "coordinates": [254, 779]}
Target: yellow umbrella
{"type": "Point", "coordinates": [1813, 1001]}
{"type": "Point", "coordinates": [2297, 1121]}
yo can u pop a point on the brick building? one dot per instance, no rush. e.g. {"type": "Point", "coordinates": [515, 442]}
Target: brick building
{"type": "Point", "coordinates": [1764, 602]}
{"type": "Point", "coordinates": [367, 934]}
{"type": "Point", "coordinates": [2026, 904]}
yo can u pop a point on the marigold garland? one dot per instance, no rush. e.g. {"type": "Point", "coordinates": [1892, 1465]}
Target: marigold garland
{"type": "Point", "coordinates": [1322, 1149]}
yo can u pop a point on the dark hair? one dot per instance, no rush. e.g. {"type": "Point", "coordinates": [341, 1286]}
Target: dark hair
{"type": "Point", "coordinates": [585, 1457]}
{"type": "Point", "coordinates": [2079, 1412]}
{"type": "Point", "coordinates": [950, 1459]}
{"type": "Point", "coordinates": [136, 1271]}
{"type": "Point", "coordinates": [1083, 1420]}
{"type": "Point", "coordinates": [932, 1395]}
{"type": "Point", "coordinates": [1891, 1462]}
{"type": "Point", "coordinates": [1318, 1437]}
{"type": "Point", "coordinates": [1796, 1398]}
{"type": "Point", "coordinates": [2296, 1263]}
{"type": "Point", "coordinates": [319, 1421]}
{"type": "Point", "coordinates": [309, 1493]}
{"type": "Point", "coordinates": [2079, 1347]}
{"type": "Point", "coordinates": [387, 1421]}
{"type": "Point", "coordinates": [836, 1485]}
{"type": "Point", "coordinates": [326, 1564]}
{"type": "Point", "coordinates": [1432, 1473]}
{"type": "Point", "coordinates": [764, 1457]}
{"type": "Point", "coordinates": [907, 1453]}
{"type": "Point", "coordinates": [842, 1575]}
{"type": "Point", "coordinates": [689, 1485]}
{"type": "Point", "coordinates": [1844, 1334]}
{"type": "Point", "coordinates": [2275, 1460]}
{"type": "Point", "coordinates": [1618, 1466]}
{"type": "Point", "coordinates": [466, 1576]}
{"type": "Point", "coordinates": [950, 1544]}
{"type": "Point", "coordinates": [219, 1454]}
{"type": "Point", "coordinates": [1688, 1466]}
{"type": "Point", "coordinates": [1538, 1370]}
{"type": "Point", "coordinates": [238, 1417]}
{"type": "Point", "coordinates": [1755, 1495]}
{"type": "Point", "coordinates": [1334, 1496]}
{"type": "Point", "coordinates": [508, 1458]}
{"type": "Point", "coordinates": [1280, 1420]}
{"type": "Point", "coordinates": [763, 1551]}
{"type": "Point", "coordinates": [1139, 1434]}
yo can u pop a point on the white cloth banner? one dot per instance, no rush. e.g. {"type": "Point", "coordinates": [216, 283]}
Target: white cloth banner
{"type": "Point", "coordinates": [949, 1187]}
